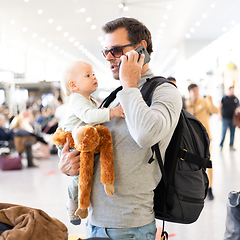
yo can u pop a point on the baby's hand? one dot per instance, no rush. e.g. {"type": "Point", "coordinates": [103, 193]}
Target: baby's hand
{"type": "Point", "coordinates": [117, 112]}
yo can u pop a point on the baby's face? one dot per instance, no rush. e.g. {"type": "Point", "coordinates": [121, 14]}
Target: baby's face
{"type": "Point", "coordinates": [85, 79]}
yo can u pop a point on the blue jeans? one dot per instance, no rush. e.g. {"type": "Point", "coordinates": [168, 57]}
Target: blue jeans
{"type": "Point", "coordinates": [147, 232]}
{"type": "Point", "coordinates": [226, 122]}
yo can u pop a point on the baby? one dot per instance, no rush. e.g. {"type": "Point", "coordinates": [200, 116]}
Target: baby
{"type": "Point", "coordinates": [79, 82]}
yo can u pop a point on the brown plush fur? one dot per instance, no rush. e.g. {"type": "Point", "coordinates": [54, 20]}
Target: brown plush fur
{"type": "Point", "coordinates": [60, 138]}
{"type": "Point", "coordinates": [93, 140]}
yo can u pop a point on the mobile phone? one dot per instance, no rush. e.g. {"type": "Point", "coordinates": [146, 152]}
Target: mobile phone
{"type": "Point", "coordinates": [141, 50]}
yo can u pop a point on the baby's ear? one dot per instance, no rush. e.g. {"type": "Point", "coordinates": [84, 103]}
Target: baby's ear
{"type": "Point", "coordinates": [72, 85]}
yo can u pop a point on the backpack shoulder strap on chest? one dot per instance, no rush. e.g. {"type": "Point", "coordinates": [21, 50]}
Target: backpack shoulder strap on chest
{"type": "Point", "coordinates": [106, 102]}
{"type": "Point", "coordinates": [150, 85]}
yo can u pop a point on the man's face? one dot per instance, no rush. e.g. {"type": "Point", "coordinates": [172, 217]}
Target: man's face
{"type": "Point", "coordinates": [117, 38]}
{"type": "Point", "coordinates": [194, 93]}
{"type": "Point", "coordinates": [231, 91]}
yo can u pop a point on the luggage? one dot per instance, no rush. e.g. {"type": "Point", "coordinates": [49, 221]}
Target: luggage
{"type": "Point", "coordinates": [232, 231]}
{"type": "Point", "coordinates": [10, 163]}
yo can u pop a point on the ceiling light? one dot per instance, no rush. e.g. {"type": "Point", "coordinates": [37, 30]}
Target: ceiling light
{"type": "Point", "coordinates": [169, 7]}
{"type": "Point", "coordinates": [61, 51]}
{"type": "Point", "coordinates": [43, 40]}
{"type": "Point", "coordinates": [187, 35]}
{"type": "Point", "coordinates": [24, 29]}
{"type": "Point", "coordinates": [233, 22]}
{"type": "Point", "coordinates": [40, 11]}
{"type": "Point", "coordinates": [212, 5]}
{"type": "Point", "coordinates": [59, 28]}
{"type": "Point", "coordinates": [160, 30]}
{"type": "Point", "coordinates": [93, 27]}
{"type": "Point", "coordinates": [198, 23]}
{"type": "Point", "coordinates": [81, 10]}
{"type": "Point", "coordinates": [158, 36]}
{"type": "Point", "coordinates": [224, 29]}
{"type": "Point", "coordinates": [26, 1]}
{"type": "Point", "coordinates": [66, 34]}
{"type": "Point", "coordinates": [71, 39]}
{"type": "Point", "coordinates": [50, 20]}
{"type": "Point", "coordinates": [204, 15]}
{"type": "Point", "coordinates": [88, 19]}
{"type": "Point", "coordinates": [56, 48]}
{"type": "Point", "coordinates": [80, 47]}
{"type": "Point", "coordinates": [121, 5]}
{"type": "Point", "coordinates": [12, 22]}
{"type": "Point", "coordinates": [103, 43]}
{"type": "Point", "coordinates": [125, 8]}
{"type": "Point", "coordinates": [192, 30]}
{"type": "Point", "coordinates": [50, 44]}
{"type": "Point", "coordinates": [34, 35]}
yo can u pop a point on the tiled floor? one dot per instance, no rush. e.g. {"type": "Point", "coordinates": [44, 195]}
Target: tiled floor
{"type": "Point", "coordinates": [46, 188]}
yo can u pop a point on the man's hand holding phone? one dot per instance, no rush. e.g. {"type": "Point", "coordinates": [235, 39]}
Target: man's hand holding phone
{"type": "Point", "coordinates": [131, 68]}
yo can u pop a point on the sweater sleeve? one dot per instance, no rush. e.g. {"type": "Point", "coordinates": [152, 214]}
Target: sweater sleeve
{"type": "Point", "coordinates": [211, 107]}
{"type": "Point", "coordinates": [88, 111]}
{"type": "Point", "coordinates": [149, 125]}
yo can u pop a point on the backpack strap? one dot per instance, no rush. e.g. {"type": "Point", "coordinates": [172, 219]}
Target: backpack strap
{"type": "Point", "coordinates": [106, 102]}
{"type": "Point", "coordinates": [150, 85]}
{"type": "Point", "coordinates": [193, 158]}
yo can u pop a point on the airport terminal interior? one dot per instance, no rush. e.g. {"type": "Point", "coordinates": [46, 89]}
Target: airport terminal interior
{"type": "Point", "coordinates": [194, 41]}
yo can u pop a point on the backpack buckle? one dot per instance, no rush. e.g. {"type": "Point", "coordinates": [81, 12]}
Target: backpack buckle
{"type": "Point", "coordinates": [182, 158]}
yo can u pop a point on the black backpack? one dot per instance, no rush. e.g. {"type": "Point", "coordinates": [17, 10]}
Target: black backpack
{"type": "Point", "coordinates": [179, 197]}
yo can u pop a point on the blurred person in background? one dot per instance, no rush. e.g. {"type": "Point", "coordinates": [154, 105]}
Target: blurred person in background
{"type": "Point", "coordinates": [227, 107]}
{"type": "Point", "coordinates": [202, 108]}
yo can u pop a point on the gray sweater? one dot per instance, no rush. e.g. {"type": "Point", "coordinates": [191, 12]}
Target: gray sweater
{"type": "Point", "coordinates": [135, 178]}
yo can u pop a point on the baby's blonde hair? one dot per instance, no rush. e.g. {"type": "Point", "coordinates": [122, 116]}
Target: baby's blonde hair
{"type": "Point", "coordinates": [69, 75]}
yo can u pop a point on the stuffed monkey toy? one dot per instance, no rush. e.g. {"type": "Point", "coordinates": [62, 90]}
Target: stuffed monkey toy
{"type": "Point", "coordinates": [90, 140]}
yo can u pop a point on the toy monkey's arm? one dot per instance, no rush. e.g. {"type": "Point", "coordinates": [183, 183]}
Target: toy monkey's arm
{"type": "Point", "coordinates": [106, 159]}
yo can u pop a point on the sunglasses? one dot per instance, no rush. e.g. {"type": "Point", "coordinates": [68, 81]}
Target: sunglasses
{"type": "Point", "coordinates": [117, 51]}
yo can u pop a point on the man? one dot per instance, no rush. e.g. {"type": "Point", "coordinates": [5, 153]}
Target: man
{"type": "Point", "coordinates": [60, 115]}
{"type": "Point", "coordinates": [129, 214]}
{"type": "Point", "coordinates": [202, 108]}
{"type": "Point", "coordinates": [227, 108]}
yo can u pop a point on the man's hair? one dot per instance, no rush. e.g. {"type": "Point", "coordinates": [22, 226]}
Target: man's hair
{"type": "Point", "coordinates": [69, 75]}
{"type": "Point", "coordinates": [137, 31]}
{"type": "Point", "coordinates": [171, 79]}
{"type": "Point", "coordinates": [191, 86]}
{"type": "Point", "coordinates": [59, 99]}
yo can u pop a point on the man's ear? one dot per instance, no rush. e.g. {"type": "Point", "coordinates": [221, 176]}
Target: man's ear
{"type": "Point", "coordinates": [72, 85]}
{"type": "Point", "coordinates": [144, 43]}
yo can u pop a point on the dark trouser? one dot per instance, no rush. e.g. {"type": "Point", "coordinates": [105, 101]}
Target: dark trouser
{"type": "Point", "coordinates": [227, 123]}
